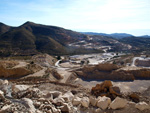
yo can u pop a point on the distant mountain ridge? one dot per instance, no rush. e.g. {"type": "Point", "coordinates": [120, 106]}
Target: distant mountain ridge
{"type": "Point", "coordinates": [115, 35]}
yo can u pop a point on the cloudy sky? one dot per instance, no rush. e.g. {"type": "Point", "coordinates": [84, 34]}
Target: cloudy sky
{"type": "Point", "coordinates": [104, 16]}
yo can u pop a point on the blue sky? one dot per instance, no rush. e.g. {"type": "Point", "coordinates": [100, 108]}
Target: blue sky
{"type": "Point", "coordinates": [104, 16]}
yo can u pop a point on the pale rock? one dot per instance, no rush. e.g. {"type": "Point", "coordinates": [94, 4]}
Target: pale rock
{"type": "Point", "coordinates": [5, 108]}
{"type": "Point", "coordinates": [118, 103]}
{"type": "Point", "coordinates": [29, 104]}
{"type": "Point", "coordinates": [53, 94]}
{"type": "Point", "coordinates": [103, 102]}
{"type": "Point", "coordinates": [93, 101]}
{"type": "Point", "coordinates": [1, 93]}
{"type": "Point", "coordinates": [37, 104]}
{"type": "Point", "coordinates": [59, 101]}
{"type": "Point", "coordinates": [85, 101]}
{"type": "Point", "coordinates": [142, 106]}
{"type": "Point", "coordinates": [65, 108]}
{"type": "Point", "coordinates": [16, 88]}
{"type": "Point", "coordinates": [76, 101]}
{"type": "Point", "coordinates": [54, 110]}
{"type": "Point", "coordinates": [5, 82]}
{"type": "Point", "coordinates": [68, 96]}
{"type": "Point", "coordinates": [98, 110]}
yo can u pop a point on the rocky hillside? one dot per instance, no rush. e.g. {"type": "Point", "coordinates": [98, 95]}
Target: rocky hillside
{"type": "Point", "coordinates": [31, 38]}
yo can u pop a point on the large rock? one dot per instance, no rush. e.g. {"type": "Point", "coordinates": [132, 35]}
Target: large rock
{"type": "Point", "coordinates": [142, 106]}
{"type": "Point", "coordinates": [29, 104]}
{"type": "Point", "coordinates": [118, 103]}
{"type": "Point", "coordinates": [76, 101]}
{"type": "Point", "coordinates": [85, 101]}
{"type": "Point", "coordinates": [93, 101]}
{"type": "Point", "coordinates": [103, 102]}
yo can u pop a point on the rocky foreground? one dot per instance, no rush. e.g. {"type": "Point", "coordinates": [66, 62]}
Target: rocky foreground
{"type": "Point", "coordinates": [55, 98]}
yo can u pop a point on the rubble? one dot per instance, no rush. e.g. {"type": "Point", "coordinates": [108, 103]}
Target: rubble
{"type": "Point", "coordinates": [142, 106]}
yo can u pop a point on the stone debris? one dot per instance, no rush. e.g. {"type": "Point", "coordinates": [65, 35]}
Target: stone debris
{"type": "Point", "coordinates": [28, 99]}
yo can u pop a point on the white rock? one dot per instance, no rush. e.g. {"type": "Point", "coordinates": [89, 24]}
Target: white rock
{"type": "Point", "coordinates": [76, 101]}
{"type": "Point", "coordinates": [59, 101]}
{"type": "Point", "coordinates": [29, 104]}
{"type": "Point", "coordinates": [5, 108]}
{"type": "Point", "coordinates": [1, 93]}
{"type": "Point", "coordinates": [118, 103]}
{"type": "Point", "coordinates": [103, 102]}
{"type": "Point", "coordinates": [68, 96]}
{"type": "Point", "coordinates": [142, 106]}
{"type": "Point", "coordinates": [17, 88]}
{"type": "Point", "coordinates": [93, 101]}
{"type": "Point", "coordinates": [85, 101]}
{"type": "Point", "coordinates": [4, 82]}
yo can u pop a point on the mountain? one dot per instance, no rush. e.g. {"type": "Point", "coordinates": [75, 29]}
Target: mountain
{"type": "Point", "coordinates": [113, 35]}
{"type": "Point", "coordinates": [31, 38]}
{"type": "Point", "coordinates": [4, 28]}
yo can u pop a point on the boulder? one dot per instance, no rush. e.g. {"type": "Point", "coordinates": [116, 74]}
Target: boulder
{"type": "Point", "coordinates": [142, 106]}
{"type": "Point", "coordinates": [29, 104]}
{"type": "Point", "coordinates": [134, 97]}
{"type": "Point", "coordinates": [93, 101]}
{"type": "Point", "coordinates": [118, 103]}
{"type": "Point", "coordinates": [103, 102]}
{"type": "Point", "coordinates": [76, 101]}
{"type": "Point", "coordinates": [85, 101]}
{"type": "Point", "coordinates": [68, 96]}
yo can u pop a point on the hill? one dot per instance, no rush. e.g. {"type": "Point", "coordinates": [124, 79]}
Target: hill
{"type": "Point", "coordinates": [31, 38]}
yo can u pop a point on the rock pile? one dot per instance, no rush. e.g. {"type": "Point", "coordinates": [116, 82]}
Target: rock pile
{"type": "Point", "coordinates": [28, 99]}
{"type": "Point", "coordinates": [106, 89]}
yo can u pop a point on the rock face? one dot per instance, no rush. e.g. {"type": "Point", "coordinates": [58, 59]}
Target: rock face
{"type": "Point", "coordinates": [106, 89]}
{"type": "Point", "coordinates": [142, 106]}
{"type": "Point", "coordinates": [103, 102]}
{"type": "Point", "coordinates": [85, 102]}
{"type": "Point", "coordinates": [118, 103]}
{"type": "Point", "coordinates": [105, 72]}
